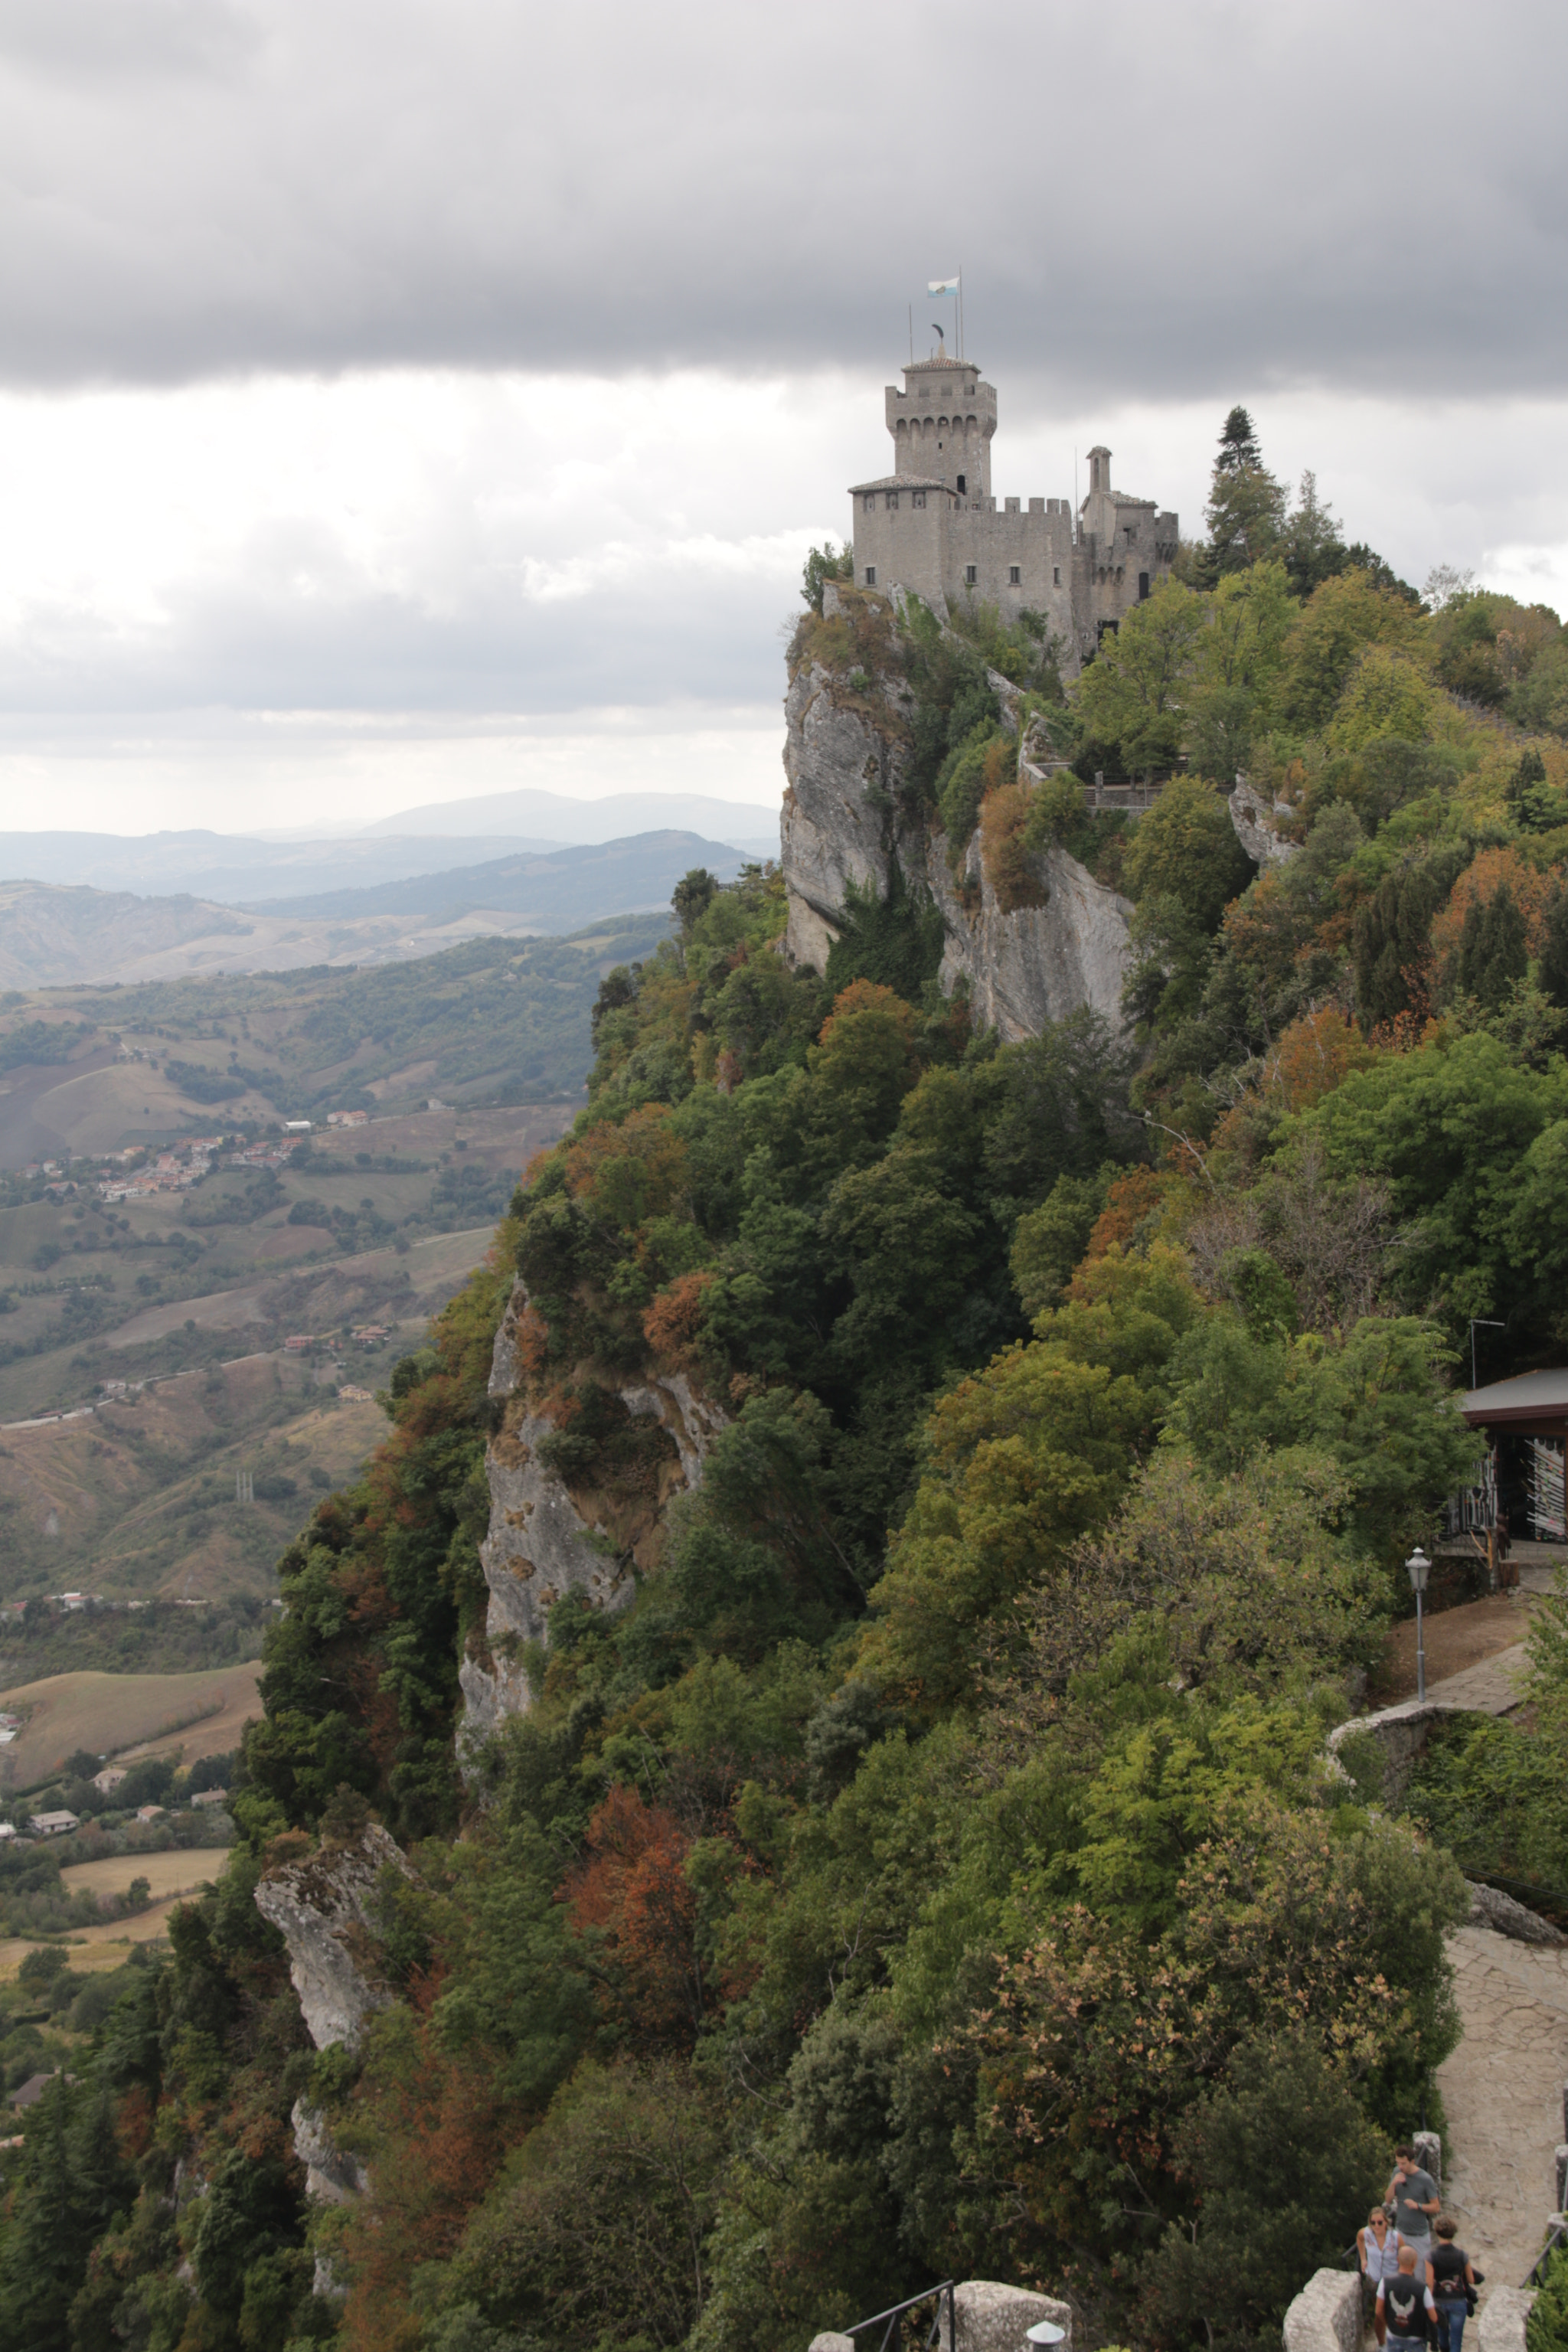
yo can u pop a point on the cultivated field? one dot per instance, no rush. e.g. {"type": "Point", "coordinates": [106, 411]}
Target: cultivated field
{"type": "Point", "coordinates": [92, 1950]}
{"type": "Point", "coordinates": [107, 1714]}
{"type": "Point", "coordinates": [177, 1872]}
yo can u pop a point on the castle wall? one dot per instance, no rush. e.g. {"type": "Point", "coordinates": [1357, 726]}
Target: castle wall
{"type": "Point", "coordinates": [915, 528]}
{"type": "Point", "coordinates": [900, 541]}
{"type": "Point", "coordinates": [1036, 542]}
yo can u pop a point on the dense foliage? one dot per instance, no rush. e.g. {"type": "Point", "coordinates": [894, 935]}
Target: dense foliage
{"type": "Point", "coordinates": [934, 1868]}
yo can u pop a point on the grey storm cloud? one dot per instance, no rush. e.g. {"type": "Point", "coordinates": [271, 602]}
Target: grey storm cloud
{"type": "Point", "coordinates": [1163, 199]}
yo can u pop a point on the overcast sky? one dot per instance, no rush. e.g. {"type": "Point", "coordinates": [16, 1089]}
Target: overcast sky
{"type": "Point", "coordinates": [405, 400]}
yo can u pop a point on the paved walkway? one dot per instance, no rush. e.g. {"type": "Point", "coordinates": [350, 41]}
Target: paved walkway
{"type": "Point", "coordinates": [1502, 2092]}
{"type": "Point", "coordinates": [1492, 1688]}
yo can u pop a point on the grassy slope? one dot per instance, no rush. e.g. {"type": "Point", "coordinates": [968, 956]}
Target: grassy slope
{"type": "Point", "coordinates": [108, 1714]}
{"type": "Point", "coordinates": [174, 1873]}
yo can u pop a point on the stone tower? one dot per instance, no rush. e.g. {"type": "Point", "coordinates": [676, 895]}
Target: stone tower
{"type": "Point", "coordinates": [942, 423]}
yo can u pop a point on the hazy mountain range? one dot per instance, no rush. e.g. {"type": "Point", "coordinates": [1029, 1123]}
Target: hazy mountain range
{"type": "Point", "coordinates": [237, 870]}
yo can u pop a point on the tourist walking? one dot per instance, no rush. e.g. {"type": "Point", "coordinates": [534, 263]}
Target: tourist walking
{"type": "Point", "coordinates": [1452, 2282]}
{"type": "Point", "coordinates": [1377, 2244]}
{"type": "Point", "coordinates": [1405, 2302]}
{"type": "Point", "coordinates": [1414, 2196]}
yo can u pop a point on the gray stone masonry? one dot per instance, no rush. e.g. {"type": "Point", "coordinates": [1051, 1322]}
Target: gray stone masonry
{"type": "Point", "coordinates": [931, 525]}
{"type": "Point", "coordinates": [989, 2318]}
{"type": "Point", "coordinates": [1501, 2324]}
{"type": "Point", "coordinates": [1326, 2316]}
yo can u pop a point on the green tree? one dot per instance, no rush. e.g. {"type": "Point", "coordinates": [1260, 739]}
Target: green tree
{"type": "Point", "coordinates": [1335, 626]}
{"type": "Point", "coordinates": [821, 564]}
{"type": "Point", "coordinates": [1133, 693]}
{"type": "Point", "coordinates": [1246, 510]}
{"type": "Point", "coordinates": [1235, 660]}
{"type": "Point", "coordinates": [1494, 950]}
{"type": "Point", "coordinates": [1552, 970]}
{"type": "Point", "coordinates": [1186, 848]}
{"type": "Point", "coordinates": [1313, 550]}
{"type": "Point", "coordinates": [1222, 2278]}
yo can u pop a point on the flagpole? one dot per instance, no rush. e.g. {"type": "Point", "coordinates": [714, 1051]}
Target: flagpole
{"type": "Point", "coordinates": [960, 310]}
{"type": "Point", "coordinates": [912, 334]}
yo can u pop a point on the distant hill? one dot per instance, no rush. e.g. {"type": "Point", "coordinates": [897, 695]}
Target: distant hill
{"type": "Point", "coordinates": [751, 825]}
{"type": "Point", "coordinates": [53, 936]}
{"type": "Point", "coordinates": [226, 867]}
{"type": "Point", "coordinates": [555, 890]}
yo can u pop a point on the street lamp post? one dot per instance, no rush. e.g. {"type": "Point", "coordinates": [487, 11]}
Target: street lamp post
{"type": "Point", "coordinates": [1418, 1567]}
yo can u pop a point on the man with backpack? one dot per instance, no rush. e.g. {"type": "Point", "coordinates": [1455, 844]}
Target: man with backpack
{"type": "Point", "coordinates": [1405, 2301]}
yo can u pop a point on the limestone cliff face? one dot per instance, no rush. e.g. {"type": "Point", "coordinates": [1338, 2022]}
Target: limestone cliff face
{"type": "Point", "coordinates": [322, 1909]}
{"type": "Point", "coordinates": [546, 1539]}
{"type": "Point", "coordinates": [846, 754]}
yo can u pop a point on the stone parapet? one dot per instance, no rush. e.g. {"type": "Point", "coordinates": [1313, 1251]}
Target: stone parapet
{"type": "Point", "coordinates": [1326, 2316]}
{"type": "Point", "coordinates": [1501, 2324]}
{"type": "Point", "coordinates": [991, 2317]}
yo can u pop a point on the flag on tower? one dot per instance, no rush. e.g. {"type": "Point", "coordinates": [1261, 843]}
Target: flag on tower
{"type": "Point", "coordinates": [942, 286]}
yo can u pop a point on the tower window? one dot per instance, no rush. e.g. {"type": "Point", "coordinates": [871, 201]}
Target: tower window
{"type": "Point", "coordinates": [869, 505]}
{"type": "Point", "coordinates": [1014, 575]}
{"type": "Point", "coordinates": [1143, 587]}
{"type": "Point", "coordinates": [917, 497]}
{"type": "Point", "coordinates": [1056, 575]}
{"type": "Point", "coordinates": [871, 576]}
{"type": "Point", "coordinates": [970, 575]}
{"type": "Point", "coordinates": [892, 502]}
{"type": "Point", "coordinates": [961, 486]}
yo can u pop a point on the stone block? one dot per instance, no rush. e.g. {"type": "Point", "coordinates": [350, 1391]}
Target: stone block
{"type": "Point", "coordinates": [991, 2317]}
{"type": "Point", "coordinates": [831, 2343]}
{"type": "Point", "coordinates": [1501, 2324]}
{"type": "Point", "coordinates": [1326, 2316]}
{"type": "Point", "coordinates": [1429, 2154]}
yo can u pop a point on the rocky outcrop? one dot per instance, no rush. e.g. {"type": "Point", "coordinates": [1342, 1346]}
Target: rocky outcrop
{"type": "Point", "coordinates": [322, 1909]}
{"type": "Point", "coordinates": [1029, 965]}
{"type": "Point", "coordinates": [1490, 1907]}
{"type": "Point", "coordinates": [545, 1539]}
{"type": "Point", "coordinates": [1254, 825]}
{"type": "Point", "coordinates": [845, 755]}
{"type": "Point", "coordinates": [846, 752]}
{"type": "Point", "coordinates": [331, 2175]}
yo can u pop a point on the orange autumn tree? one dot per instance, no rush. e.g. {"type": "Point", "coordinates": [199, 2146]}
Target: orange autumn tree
{"type": "Point", "coordinates": [630, 1900]}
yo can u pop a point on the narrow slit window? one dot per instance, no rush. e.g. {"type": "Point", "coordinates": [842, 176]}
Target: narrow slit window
{"type": "Point", "coordinates": [1143, 587]}
{"type": "Point", "coordinates": [871, 576]}
{"type": "Point", "coordinates": [970, 575]}
{"type": "Point", "coordinates": [1014, 575]}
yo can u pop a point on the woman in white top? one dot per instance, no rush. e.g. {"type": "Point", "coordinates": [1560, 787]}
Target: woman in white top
{"type": "Point", "coordinates": [1378, 2243]}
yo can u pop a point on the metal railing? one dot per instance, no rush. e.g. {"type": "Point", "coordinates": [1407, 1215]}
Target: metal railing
{"type": "Point", "coordinates": [1558, 2233]}
{"type": "Point", "coordinates": [913, 2303]}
